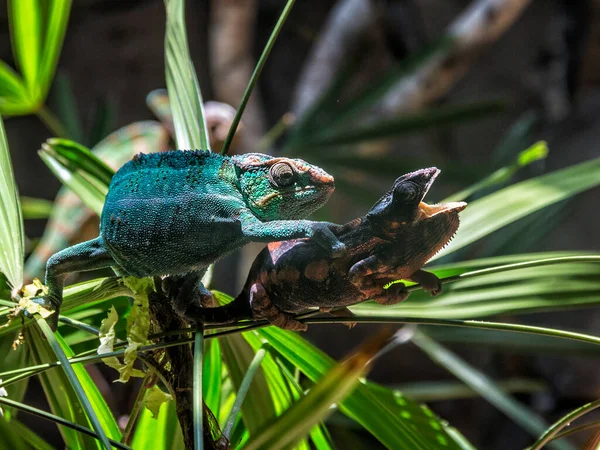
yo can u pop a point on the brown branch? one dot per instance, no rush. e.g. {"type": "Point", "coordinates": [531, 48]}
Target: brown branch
{"type": "Point", "coordinates": [474, 30]}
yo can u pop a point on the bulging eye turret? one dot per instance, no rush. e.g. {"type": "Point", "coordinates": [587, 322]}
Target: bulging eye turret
{"type": "Point", "coordinates": [282, 174]}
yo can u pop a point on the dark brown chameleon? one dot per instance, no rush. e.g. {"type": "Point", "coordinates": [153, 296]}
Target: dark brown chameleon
{"type": "Point", "coordinates": [398, 235]}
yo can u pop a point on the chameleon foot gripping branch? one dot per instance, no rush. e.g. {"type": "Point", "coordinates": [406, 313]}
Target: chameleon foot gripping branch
{"type": "Point", "coordinates": [176, 212]}
{"type": "Point", "coordinates": [392, 241]}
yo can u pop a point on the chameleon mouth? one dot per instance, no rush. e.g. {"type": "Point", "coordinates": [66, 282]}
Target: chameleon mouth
{"type": "Point", "coordinates": [438, 208]}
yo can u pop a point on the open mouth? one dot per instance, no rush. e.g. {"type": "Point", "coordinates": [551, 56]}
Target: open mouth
{"type": "Point", "coordinates": [431, 210]}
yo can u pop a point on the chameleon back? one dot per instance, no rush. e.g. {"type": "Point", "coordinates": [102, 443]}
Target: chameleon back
{"type": "Point", "coordinates": [165, 214]}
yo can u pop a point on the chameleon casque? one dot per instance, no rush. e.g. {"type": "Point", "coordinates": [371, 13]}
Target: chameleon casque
{"type": "Point", "coordinates": [174, 213]}
{"type": "Point", "coordinates": [391, 242]}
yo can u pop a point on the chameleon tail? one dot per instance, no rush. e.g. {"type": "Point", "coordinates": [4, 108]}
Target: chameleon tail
{"type": "Point", "coordinates": [238, 309]}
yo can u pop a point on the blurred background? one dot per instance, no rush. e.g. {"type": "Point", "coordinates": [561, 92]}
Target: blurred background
{"type": "Point", "coordinates": [533, 77]}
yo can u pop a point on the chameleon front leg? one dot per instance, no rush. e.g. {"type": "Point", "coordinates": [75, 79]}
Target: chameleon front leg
{"type": "Point", "coordinates": [364, 275]}
{"type": "Point", "coordinates": [282, 230]}
{"type": "Point", "coordinates": [429, 281]}
{"type": "Point", "coordinates": [89, 255]}
{"type": "Point", "coordinates": [263, 308]}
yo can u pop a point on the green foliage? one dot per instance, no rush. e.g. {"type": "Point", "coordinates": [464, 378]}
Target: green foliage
{"type": "Point", "coordinates": [37, 32]}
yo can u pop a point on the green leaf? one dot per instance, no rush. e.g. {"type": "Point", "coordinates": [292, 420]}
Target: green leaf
{"type": "Point", "coordinates": [392, 430]}
{"type": "Point", "coordinates": [529, 420]}
{"type": "Point", "coordinates": [56, 26]}
{"type": "Point", "coordinates": [90, 193]}
{"type": "Point", "coordinates": [78, 157]}
{"type": "Point", "coordinates": [496, 210]}
{"type": "Point", "coordinates": [63, 399]}
{"type": "Point", "coordinates": [11, 222]}
{"type": "Point", "coordinates": [257, 408]}
{"type": "Point", "coordinates": [211, 380]}
{"type": "Point", "coordinates": [25, 23]}
{"type": "Point", "coordinates": [11, 86]}
{"type": "Point", "coordinates": [16, 436]}
{"type": "Point", "coordinates": [198, 404]}
{"type": "Point", "coordinates": [162, 433]}
{"type": "Point", "coordinates": [534, 282]}
{"type": "Point", "coordinates": [36, 208]}
{"type": "Point", "coordinates": [155, 398]}
{"type": "Point", "coordinates": [315, 406]}
{"type": "Point", "coordinates": [537, 151]}
{"type": "Point", "coordinates": [182, 83]}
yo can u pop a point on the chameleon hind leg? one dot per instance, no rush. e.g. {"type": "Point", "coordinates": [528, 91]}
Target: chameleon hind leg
{"type": "Point", "coordinates": [86, 256]}
{"type": "Point", "coordinates": [187, 294]}
{"type": "Point", "coordinates": [263, 308]}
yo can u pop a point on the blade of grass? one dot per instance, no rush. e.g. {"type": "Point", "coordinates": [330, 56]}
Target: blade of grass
{"type": "Point", "coordinates": [89, 193]}
{"type": "Point", "coordinates": [58, 420]}
{"type": "Point", "coordinates": [243, 390]}
{"type": "Point", "coordinates": [197, 387]}
{"type": "Point", "coordinates": [11, 85]}
{"type": "Point", "coordinates": [36, 208]}
{"type": "Point", "coordinates": [75, 384]}
{"type": "Point", "coordinates": [563, 422]}
{"type": "Point", "coordinates": [254, 78]}
{"type": "Point", "coordinates": [496, 210]}
{"type": "Point", "coordinates": [314, 407]}
{"type": "Point", "coordinates": [56, 26]}
{"type": "Point", "coordinates": [526, 418]}
{"type": "Point", "coordinates": [394, 431]}
{"type": "Point", "coordinates": [182, 84]}
{"type": "Point", "coordinates": [211, 378]}
{"type": "Point", "coordinates": [78, 157]}
{"type": "Point", "coordinates": [25, 24]}
{"type": "Point", "coordinates": [537, 151]}
{"type": "Point", "coordinates": [162, 433]}
{"type": "Point", "coordinates": [12, 243]}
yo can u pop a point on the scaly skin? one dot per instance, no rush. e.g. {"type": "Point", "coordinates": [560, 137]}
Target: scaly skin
{"type": "Point", "coordinates": [69, 215]}
{"type": "Point", "coordinates": [175, 213]}
{"type": "Point", "coordinates": [393, 241]}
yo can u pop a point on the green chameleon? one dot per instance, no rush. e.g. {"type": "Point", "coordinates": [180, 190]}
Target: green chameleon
{"type": "Point", "coordinates": [175, 213]}
{"type": "Point", "coordinates": [70, 218]}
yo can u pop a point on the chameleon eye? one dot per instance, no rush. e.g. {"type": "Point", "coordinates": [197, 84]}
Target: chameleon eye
{"type": "Point", "coordinates": [282, 174]}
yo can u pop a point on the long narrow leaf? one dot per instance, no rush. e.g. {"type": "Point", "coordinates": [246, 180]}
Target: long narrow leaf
{"type": "Point", "coordinates": [182, 83]}
{"type": "Point", "coordinates": [91, 194]}
{"type": "Point", "coordinates": [161, 433]}
{"type": "Point", "coordinates": [496, 210]}
{"type": "Point", "coordinates": [394, 431]}
{"type": "Point", "coordinates": [519, 413]}
{"type": "Point", "coordinates": [11, 222]}
{"type": "Point", "coordinates": [297, 421]}
{"type": "Point", "coordinates": [26, 37]}
{"type": "Point", "coordinates": [56, 26]}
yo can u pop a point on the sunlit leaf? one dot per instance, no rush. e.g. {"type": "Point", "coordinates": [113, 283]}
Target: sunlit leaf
{"type": "Point", "coordinates": [496, 210]}
{"type": "Point", "coordinates": [525, 417]}
{"type": "Point", "coordinates": [394, 431]}
{"type": "Point", "coordinates": [56, 26]}
{"type": "Point", "coordinates": [162, 433]}
{"type": "Point", "coordinates": [315, 406]}
{"type": "Point", "coordinates": [182, 83]}
{"type": "Point", "coordinates": [12, 246]}
{"type": "Point", "coordinates": [25, 20]}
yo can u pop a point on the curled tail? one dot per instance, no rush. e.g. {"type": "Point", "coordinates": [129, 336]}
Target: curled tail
{"type": "Point", "coordinates": [238, 309]}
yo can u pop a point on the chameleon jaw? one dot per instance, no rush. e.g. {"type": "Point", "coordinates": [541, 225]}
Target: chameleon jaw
{"type": "Point", "coordinates": [434, 209]}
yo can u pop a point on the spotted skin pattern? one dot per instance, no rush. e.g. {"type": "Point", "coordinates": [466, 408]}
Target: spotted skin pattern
{"type": "Point", "coordinates": [392, 241]}
{"type": "Point", "coordinates": [176, 212]}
